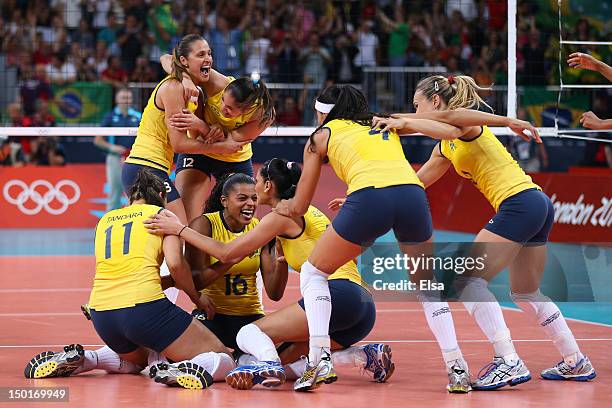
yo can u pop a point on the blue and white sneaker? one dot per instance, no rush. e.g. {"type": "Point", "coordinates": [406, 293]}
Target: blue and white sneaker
{"type": "Point", "coordinates": [379, 361]}
{"type": "Point", "coordinates": [583, 371]}
{"type": "Point", "coordinates": [499, 374]}
{"type": "Point", "coordinates": [266, 373]}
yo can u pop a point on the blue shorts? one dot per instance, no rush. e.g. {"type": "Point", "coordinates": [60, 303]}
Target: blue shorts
{"type": "Point", "coordinates": [225, 327]}
{"type": "Point", "coordinates": [130, 172]}
{"type": "Point", "coordinates": [526, 217]}
{"type": "Point", "coordinates": [371, 212]}
{"type": "Point", "coordinates": [154, 325]}
{"type": "Point", "coordinates": [212, 167]}
{"type": "Point", "coordinates": [353, 312]}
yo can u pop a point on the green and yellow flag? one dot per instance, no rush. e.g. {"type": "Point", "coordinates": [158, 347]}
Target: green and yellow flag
{"type": "Point", "coordinates": [81, 102]}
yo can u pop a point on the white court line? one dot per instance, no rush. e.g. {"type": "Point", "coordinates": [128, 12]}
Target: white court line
{"type": "Point", "coordinates": [363, 341]}
{"type": "Point", "coordinates": [45, 290]}
{"type": "Point", "coordinates": [471, 341]}
{"type": "Point", "coordinates": [40, 314]}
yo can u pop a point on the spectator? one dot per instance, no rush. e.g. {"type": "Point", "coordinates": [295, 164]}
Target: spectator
{"type": "Point", "coordinates": [99, 60]}
{"type": "Point", "coordinates": [61, 72]}
{"type": "Point", "coordinates": [131, 40]}
{"type": "Point", "coordinates": [257, 50]}
{"type": "Point", "coordinates": [108, 35]}
{"type": "Point", "coordinates": [399, 34]}
{"type": "Point", "coordinates": [225, 43]}
{"type": "Point", "coordinates": [114, 74]}
{"type": "Point", "coordinates": [11, 154]}
{"type": "Point", "coordinates": [117, 148]}
{"type": "Point", "coordinates": [287, 57]}
{"type": "Point", "coordinates": [163, 27]}
{"type": "Point", "coordinates": [35, 87]}
{"type": "Point", "coordinates": [314, 59]}
{"type": "Point", "coordinates": [47, 151]}
{"type": "Point", "coordinates": [290, 114]}
{"type": "Point", "coordinates": [534, 70]}
{"type": "Point", "coordinates": [85, 39]}
{"type": "Point", "coordinates": [43, 117]}
{"type": "Point", "coordinates": [367, 44]}
{"type": "Point", "coordinates": [343, 70]}
{"type": "Point", "coordinates": [143, 72]}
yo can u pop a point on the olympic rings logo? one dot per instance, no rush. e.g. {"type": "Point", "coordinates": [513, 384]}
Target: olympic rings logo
{"type": "Point", "coordinates": [42, 193]}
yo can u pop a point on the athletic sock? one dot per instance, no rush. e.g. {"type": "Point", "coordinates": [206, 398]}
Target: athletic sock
{"type": "Point", "coordinates": [317, 304]}
{"type": "Point", "coordinates": [252, 340]}
{"type": "Point", "coordinates": [550, 318]}
{"type": "Point", "coordinates": [352, 356]}
{"type": "Point", "coordinates": [218, 365]}
{"type": "Point", "coordinates": [483, 306]}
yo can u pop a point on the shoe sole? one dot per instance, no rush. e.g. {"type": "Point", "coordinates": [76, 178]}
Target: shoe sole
{"type": "Point", "coordinates": [245, 380]}
{"type": "Point", "coordinates": [511, 382]}
{"type": "Point", "coordinates": [41, 367]}
{"type": "Point", "coordinates": [190, 377]}
{"type": "Point", "coordinates": [386, 363]}
{"type": "Point", "coordinates": [581, 378]}
{"type": "Point", "coordinates": [458, 389]}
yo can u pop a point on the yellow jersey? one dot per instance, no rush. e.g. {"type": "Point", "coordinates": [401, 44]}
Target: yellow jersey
{"type": "Point", "coordinates": [152, 145]}
{"type": "Point", "coordinates": [235, 293]}
{"type": "Point", "coordinates": [127, 259]}
{"type": "Point", "coordinates": [214, 117]}
{"type": "Point", "coordinates": [486, 162]}
{"type": "Point", "coordinates": [298, 249]}
{"type": "Point", "coordinates": [363, 157]}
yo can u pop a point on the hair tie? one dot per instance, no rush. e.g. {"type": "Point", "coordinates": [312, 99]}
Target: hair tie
{"type": "Point", "coordinates": [436, 86]}
{"type": "Point", "coordinates": [451, 79]}
{"type": "Point", "coordinates": [289, 165]}
{"type": "Point", "coordinates": [255, 77]}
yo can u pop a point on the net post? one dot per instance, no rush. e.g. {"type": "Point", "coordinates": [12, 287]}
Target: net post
{"type": "Point", "coordinates": [511, 59]}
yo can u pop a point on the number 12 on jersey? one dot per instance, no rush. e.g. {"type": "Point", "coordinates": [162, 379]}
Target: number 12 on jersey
{"type": "Point", "coordinates": [127, 232]}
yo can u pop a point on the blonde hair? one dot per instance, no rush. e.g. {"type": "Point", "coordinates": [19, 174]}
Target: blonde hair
{"type": "Point", "coordinates": [456, 91]}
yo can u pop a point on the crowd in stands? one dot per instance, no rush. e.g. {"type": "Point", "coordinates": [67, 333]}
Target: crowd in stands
{"type": "Point", "coordinates": [315, 42]}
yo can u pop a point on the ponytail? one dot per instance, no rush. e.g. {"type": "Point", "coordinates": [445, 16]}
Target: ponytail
{"type": "Point", "coordinates": [348, 103]}
{"type": "Point", "coordinates": [284, 174]}
{"type": "Point", "coordinates": [252, 93]}
{"type": "Point", "coordinates": [456, 91]}
{"type": "Point", "coordinates": [149, 187]}
{"type": "Point", "coordinates": [466, 94]}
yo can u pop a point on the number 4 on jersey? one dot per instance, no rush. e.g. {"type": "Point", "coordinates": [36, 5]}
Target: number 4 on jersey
{"type": "Point", "coordinates": [385, 134]}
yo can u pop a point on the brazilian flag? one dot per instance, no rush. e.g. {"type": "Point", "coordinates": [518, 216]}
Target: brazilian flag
{"type": "Point", "coordinates": [81, 102]}
{"type": "Point", "coordinates": [541, 105]}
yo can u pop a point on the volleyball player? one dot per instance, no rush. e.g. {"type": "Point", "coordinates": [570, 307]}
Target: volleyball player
{"type": "Point", "coordinates": [353, 313]}
{"type": "Point", "coordinates": [157, 141]}
{"type": "Point", "coordinates": [242, 108]}
{"type": "Point", "coordinates": [382, 189]}
{"type": "Point", "coordinates": [129, 310]}
{"type": "Point", "coordinates": [515, 237]}
{"type": "Point", "coordinates": [231, 286]}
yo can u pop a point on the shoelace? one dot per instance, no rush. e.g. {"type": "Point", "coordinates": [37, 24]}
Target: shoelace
{"type": "Point", "coordinates": [487, 369]}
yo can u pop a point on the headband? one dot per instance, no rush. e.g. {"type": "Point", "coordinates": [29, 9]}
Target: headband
{"type": "Point", "coordinates": [323, 107]}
